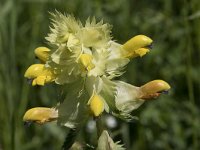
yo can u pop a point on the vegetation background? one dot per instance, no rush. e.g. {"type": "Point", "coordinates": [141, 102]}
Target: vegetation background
{"type": "Point", "coordinates": [171, 122]}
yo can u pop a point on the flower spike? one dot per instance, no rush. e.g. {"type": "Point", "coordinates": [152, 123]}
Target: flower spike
{"type": "Point", "coordinates": [137, 46]}
{"type": "Point", "coordinates": [85, 59]}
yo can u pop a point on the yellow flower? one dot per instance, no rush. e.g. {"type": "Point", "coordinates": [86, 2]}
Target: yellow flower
{"type": "Point", "coordinates": [40, 74]}
{"type": "Point", "coordinates": [42, 53]}
{"type": "Point", "coordinates": [40, 115]}
{"type": "Point", "coordinates": [96, 105]}
{"type": "Point", "coordinates": [129, 97]}
{"type": "Point", "coordinates": [153, 89]}
{"type": "Point", "coordinates": [137, 46]}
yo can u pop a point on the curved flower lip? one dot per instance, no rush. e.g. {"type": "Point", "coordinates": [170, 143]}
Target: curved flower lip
{"type": "Point", "coordinates": [153, 89]}
{"type": "Point", "coordinates": [40, 115]}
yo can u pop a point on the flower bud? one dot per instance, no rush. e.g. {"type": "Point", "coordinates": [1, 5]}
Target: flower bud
{"type": "Point", "coordinates": [96, 105]}
{"type": "Point", "coordinates": [42, 53]}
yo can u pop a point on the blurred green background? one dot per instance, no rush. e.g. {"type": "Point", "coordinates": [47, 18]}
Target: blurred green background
{"type": "Point", "coordinates": [171, 122]}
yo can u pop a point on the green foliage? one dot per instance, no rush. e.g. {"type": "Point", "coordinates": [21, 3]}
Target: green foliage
{"type": "Point", "coordinates": [171, 122]}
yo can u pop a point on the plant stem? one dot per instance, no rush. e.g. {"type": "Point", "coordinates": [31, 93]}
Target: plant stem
{"type": "Point", "coordinates": [189, 53]}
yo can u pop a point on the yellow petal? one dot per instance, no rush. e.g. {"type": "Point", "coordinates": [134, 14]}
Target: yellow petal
{"type": "Point", "coordinates": [41, 80]}
{"type": "Point", "coordinates": [40, 115]}
{"type": "Point", "coordinates": [141, 52]}
{"type": "Point", "coordinates": [96, 105]}
{"type": "Point", "coordinates": [34, 71]}
{"type": "Point", "coordinates": [42, 53]}
{"type": "Point", "coordinates": [34, 82]}
{"type": "Point", "coordinates": [138, 52]}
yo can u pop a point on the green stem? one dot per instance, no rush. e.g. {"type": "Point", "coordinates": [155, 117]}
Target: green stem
{"type": "Point", "coordinates": [189, 53]}
{"type": "Point", "coordinates": [189, 64]}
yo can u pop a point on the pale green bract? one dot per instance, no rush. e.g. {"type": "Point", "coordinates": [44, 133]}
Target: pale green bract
{"type": "Point", "coordinates": [105, 142]}
{"type": "Point", "coordinates": [69, 39]}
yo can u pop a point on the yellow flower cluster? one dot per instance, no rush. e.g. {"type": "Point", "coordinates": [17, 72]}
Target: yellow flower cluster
{"type": "Point", "coordinates": [85, 60]}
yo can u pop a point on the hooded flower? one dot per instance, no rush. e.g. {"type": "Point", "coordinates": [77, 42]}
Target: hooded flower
{"type": "Point", "coordinates": [84, 60]}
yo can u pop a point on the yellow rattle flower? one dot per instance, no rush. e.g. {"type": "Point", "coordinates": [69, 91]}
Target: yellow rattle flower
{"type": "Point", "coordinates": [153, 89]}
{"type": "Point", "coordinates": [40, 74]}
{"type": "Point", "coordinates": [137, 46]}
{"type": "Point", "coordinates": [40, 115]}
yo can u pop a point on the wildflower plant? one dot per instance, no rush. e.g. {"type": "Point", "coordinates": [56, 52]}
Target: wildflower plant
{"type": "Point", "coordinates": [85, 60]}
